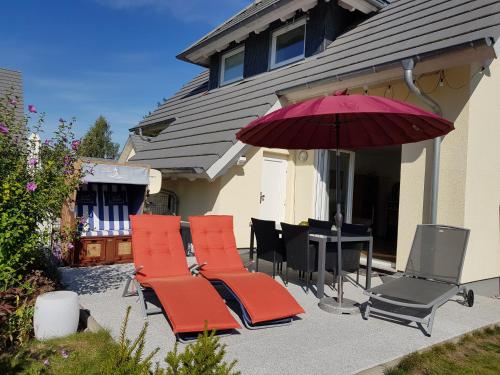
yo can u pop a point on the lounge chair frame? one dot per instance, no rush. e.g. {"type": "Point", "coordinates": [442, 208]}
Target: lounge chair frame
{"type": "Point", "coordinates": [247, 322]}
{"type": "Point", "coordinates": [422, 314]}
{"type": "Point", "coordinates": [139, 291]}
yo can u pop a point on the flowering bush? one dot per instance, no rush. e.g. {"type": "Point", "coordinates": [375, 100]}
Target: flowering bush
{"type": "Point", "coordinates": [36, 178]}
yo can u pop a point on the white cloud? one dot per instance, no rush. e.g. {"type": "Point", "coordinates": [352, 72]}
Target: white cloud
{"type": "Point", "coordinates": [207, 11]}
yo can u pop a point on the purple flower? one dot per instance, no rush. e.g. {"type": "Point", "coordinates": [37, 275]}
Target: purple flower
{"type": "Point", "coordinates": [13, 102]}
{"type": "Point", "coordinates": [47, 142]}
{"type": "Point", "coordinates": [83, 220]}
{"type": "Point", "coordinates": [64, 353]}
{"type": "Point", "coordinates": [75, 144]}
{"type": "Point", "coordinates": [71, 246]}
{"type": "Point", "coordinates": [32, 108]}
{"type": "Point", "coordinates": [31, 186]}
{"type": "Point", "coordinates": [62, 120]}
{"type": "Point", "coordinates": [46, 362]}
{"type": "Point", "coordinates": [32, 162]}
{"type": "Point", "coordinates": [3, 128]}
{"type": "Point", "coordinates": [67, 160]}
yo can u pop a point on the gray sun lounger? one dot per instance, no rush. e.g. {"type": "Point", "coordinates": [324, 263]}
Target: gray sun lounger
{"type": "Point", "coordinates": [431, 278]}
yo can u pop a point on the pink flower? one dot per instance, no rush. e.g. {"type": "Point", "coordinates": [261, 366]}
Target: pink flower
{"type": "Point", "coordinates": [3, 128]}
{"type": "Point", "coordinates": [47, 142]}
{"type": "Point", "coordinates": [75, 144]}
{"type": "Point", "coordinates": [83, 220]}
{"type": "Point", "coordinates": [13, 102]}
{"type": "Point", "coordinates": [46, 362]}
{"type": "Point", "coordinates": [71, 246]}
{"type": "Point", "coordinates": [31, 108]}
{"type": "Point", "coordinates": [32, 162]}
{"type": "Point", "coordinates": [64, 353]}
{"type": "Point", "coordinates": [31, 186]}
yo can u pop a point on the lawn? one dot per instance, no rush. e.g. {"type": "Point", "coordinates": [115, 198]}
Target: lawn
{"type": "Point", "coordinates": [82, 353]}
{"type": "Point", "coordinates": [478, 353]}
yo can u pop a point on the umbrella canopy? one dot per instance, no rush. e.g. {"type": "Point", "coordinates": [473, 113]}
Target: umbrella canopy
{"type": "Point", "coordinates": [363, 121]}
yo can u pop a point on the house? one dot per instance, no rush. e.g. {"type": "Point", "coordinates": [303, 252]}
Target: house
{"type": "Point", "coordinates": [440, 55]}
{"type": "Point", "coordinates": [11, 83]}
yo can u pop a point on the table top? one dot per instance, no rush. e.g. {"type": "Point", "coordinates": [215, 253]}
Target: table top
{"type": "Point", "coordinates": [346, 237]}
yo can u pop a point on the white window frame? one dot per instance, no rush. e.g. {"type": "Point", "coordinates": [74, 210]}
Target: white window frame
{"type": "Point", "coordinates": [281, 31]}
{"type": "Point", "coordinates": [223, 58]}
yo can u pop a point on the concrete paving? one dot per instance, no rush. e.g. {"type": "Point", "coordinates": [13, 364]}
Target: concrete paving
{"type": "Point", "coordinates": [316, 343]}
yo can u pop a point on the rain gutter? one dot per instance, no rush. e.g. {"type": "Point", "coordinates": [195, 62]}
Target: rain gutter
{"type": "Point", "coordinates": [408, 66]}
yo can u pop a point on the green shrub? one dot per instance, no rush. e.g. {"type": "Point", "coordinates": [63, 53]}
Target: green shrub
{"type": "Point", "coordinates": [205, 356]}
{"type": "Point", "coordinates": [36, 178]}
{"type": "Point", "coordinates": [17, 307]}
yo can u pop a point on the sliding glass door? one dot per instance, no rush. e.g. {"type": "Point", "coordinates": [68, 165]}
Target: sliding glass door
{"type": "Point", "coordinates": [326, 187]}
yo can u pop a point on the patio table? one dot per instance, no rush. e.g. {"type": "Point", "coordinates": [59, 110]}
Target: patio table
{"type": "Point", "coordinates": [322, 240]}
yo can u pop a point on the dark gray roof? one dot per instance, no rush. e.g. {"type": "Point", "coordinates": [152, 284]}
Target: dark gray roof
{"type": "Point", "coordinates": [11, 83]}
{"type": "Point", "coordinates": [255, 9]}
{"type": "Point", "coordinates": [206, 122]}
{"type": "Point", "coordinates": [138, 142]}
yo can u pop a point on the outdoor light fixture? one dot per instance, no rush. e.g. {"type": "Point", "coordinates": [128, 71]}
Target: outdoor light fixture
{"type": "Point", "coordinates": [303, 155]}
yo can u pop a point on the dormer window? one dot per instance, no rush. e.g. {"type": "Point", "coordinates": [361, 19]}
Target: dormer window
{"type": "Point", "coordinates": [288, 44]}
{"type": "Point", "coordinates": [232, 66]}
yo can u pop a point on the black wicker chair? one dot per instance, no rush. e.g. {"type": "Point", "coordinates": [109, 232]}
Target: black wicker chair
{"type": "Point", "coordinates": [301, 255]}
{"type": "Point", "coordinates": [270, 246]}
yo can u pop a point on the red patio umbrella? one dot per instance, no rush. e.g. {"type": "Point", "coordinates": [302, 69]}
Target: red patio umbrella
{"type": "Point", "coordinates": [344, 122]}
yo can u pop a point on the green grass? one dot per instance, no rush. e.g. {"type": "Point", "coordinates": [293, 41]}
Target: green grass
{"type": "Point", "coordinates": [86, 353]}
{"type": "Point", "coordinates": [478, 353]}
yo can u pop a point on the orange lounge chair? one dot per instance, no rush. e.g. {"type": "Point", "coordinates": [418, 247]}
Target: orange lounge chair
{"type": "Point", "coordinates": [190, 303]}
{"type": "Point", "coordinates": [263, 301]}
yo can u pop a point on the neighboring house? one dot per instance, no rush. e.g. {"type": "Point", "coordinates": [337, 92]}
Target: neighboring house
{"type": "Point", "coordinates": [11, 83]}
{"type": "Point", "coordinates": [276, 52]}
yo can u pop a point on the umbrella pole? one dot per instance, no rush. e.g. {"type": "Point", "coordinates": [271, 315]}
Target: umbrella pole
{"type": "Point", "coordinates": [338, 215]}
{"type": "Point", "coordinates": [341, 305]}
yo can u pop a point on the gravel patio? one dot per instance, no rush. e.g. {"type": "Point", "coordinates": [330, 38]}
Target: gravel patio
{"type": "Point", "coordinates": [316, 343]}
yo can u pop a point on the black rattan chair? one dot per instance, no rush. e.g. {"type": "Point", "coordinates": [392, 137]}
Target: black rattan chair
{"type": "Point", "coordinates": [301, 255]}
{"type": "Point", "coordinates": [270, 247]}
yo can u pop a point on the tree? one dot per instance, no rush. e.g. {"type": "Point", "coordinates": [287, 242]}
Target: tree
{"type": "Point", "coordinates": [97, 142]}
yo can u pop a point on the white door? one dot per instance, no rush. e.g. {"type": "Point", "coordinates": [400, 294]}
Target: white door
{"type": "Point", "coordinates": [273, 189]}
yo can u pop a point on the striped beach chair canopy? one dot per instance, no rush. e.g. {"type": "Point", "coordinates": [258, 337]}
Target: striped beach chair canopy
{"type": "Point", "coordinates": [110, 193]}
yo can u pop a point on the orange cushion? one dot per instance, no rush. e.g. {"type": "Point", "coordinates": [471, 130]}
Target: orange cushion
{"type": "Point", "coordinates": [157, 246]}
{"type": "Point", "coordinates": [214, 242]}
{"type": "Point", "coordinates": [191, 302]}
{"type": "Point", "coordinates": [263, 298]}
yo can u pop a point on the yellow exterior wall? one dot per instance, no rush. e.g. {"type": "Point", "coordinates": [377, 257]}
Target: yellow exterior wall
{"type": "Point", "coordinates": [482, 185]}
{"type": "Point", "coordinates": [416, 165]}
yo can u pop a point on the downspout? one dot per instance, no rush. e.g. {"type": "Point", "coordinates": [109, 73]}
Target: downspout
{"type": "Point", "coordinates": [144, 138]}
{"type": "Point", "coordinates": [408, 66]}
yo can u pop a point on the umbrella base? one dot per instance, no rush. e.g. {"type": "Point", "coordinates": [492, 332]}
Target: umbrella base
{"type": "Point", "coordinates": [330, 305]}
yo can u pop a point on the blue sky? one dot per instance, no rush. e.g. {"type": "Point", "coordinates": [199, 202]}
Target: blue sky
{"type": "Point", "coordinates": [116, 58]}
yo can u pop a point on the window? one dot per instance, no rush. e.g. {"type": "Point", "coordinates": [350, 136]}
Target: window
{"type": "Point", "coordinates": [232, 66]}
{"type": "Point", "coordinates": [288, 44]}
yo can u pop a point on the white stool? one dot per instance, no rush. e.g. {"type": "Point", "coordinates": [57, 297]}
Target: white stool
{"type": "Point", "coordinates": [56, 314]}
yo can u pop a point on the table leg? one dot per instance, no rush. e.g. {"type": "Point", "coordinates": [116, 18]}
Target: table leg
{"type": "Point", "coordinates": [369, 264]}
{"type": "Point", "coordinates": [321, 268]}
{"type": "Point", "coordinates": [252, 235]}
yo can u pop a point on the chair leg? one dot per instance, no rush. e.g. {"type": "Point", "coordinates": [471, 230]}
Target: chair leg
{"type": "Point", "coordinates": [357, 276]}
{"type": "Point", "coordinates": [126, 292]}
{"type": "Point", "coordinates": [142, 301]}
{"type": "Point", "coordinates": [286, 274]}
{"type": "Point", "coordinates": [274, 269]}
{"type": "Point", "coordinates": [257, 264]}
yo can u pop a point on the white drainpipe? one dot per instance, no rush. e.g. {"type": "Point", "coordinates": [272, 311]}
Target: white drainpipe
{"type": "Point", "coordinates": [408, 66]}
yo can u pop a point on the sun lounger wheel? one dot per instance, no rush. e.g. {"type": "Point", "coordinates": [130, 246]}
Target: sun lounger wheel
{"type": "Point", "coordinates": [469, 298]}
